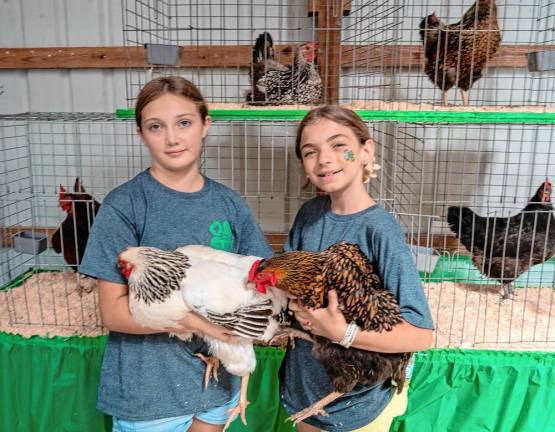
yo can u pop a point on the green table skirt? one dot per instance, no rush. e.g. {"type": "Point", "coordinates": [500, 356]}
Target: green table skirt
{"type": "Point", "coordinates": [50, 385]}
{"type": "Point", "coordinates": [480, 390]}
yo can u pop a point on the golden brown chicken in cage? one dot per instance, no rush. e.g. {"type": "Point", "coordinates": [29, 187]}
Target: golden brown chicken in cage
{"type": "Point", "coordinates": [308, 277]}
{"type": "Point", "coordinates": [456, 54]}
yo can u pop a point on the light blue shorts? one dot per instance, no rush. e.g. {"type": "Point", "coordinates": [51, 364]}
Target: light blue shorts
{"type": "Point", "coordinates": [216, 415]}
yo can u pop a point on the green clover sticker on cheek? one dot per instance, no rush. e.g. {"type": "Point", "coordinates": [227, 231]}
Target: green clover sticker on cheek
{"type": "Point", "coordinates": [349, 155]}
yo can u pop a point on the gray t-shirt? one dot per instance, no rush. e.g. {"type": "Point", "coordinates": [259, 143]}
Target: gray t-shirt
{"type": "Point", "coordinates": [303, 379]}
{"type": "Point", "coordinates": [146, 377]}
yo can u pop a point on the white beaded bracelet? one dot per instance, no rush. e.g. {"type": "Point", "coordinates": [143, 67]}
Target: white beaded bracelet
{"type": "Point", "coordinates": [350, 335]}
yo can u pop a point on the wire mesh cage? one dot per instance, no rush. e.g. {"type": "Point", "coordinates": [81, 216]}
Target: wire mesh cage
{"type": "Point", "coordinates": [494, 169]}
{"type": "Point", "coordinates": [367, 51]}
{"type": "Point", "coordinates": [467, 191]}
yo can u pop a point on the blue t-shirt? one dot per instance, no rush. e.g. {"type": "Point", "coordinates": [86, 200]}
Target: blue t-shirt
{"type": "Point", "coordinates": [304, 380]}
{"type": "Point", "coordinates": [146, 377]}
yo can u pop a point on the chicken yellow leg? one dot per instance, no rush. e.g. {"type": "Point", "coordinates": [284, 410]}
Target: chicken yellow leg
{"type": "Point", "coordinates": [444, 98]}
{"type": "Point", "coordinates": [212, 366]}
{"type": "Point", "coordinates": [317, 408]}
{"type": "Point", "coordinates": [464, 94]}
{"type": "Point", "coordinates": [241, 407]}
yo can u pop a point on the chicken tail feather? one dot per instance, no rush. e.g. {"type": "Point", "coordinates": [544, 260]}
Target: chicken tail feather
{"type": "Point", "coordinates": [263, 48]}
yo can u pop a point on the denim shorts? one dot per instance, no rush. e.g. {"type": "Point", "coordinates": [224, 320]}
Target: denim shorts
{"type": "Point", "coordinates": [216, 415]}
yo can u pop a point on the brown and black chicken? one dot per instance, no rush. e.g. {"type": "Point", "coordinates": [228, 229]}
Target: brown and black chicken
{"type": "Point", "coordinates": [457, 53]}
{"type": "Point", "coordinates": [308, 277]}
{"type": "Point", "coordinates": [273, 83]}
{"type": "Point", "coordinates": [504, 248]}
{"type": "Point", "coordinates": [71, 236]}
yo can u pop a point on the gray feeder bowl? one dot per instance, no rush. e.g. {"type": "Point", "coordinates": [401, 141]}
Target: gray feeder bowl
{"type": "Point", "coordinates": [425, 258]}
{"type": "Point", "coordinates": [30, 242]}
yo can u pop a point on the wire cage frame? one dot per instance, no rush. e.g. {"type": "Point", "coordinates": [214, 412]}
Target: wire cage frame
{"type": "Point", "coordinates": [494, 169]}
{"type": "Point", "coordinates": [370, 53]}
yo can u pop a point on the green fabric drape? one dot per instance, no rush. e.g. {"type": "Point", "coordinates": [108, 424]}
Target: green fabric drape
{"type": "Point", "coordinates": [480, 390]}
{"type": "Point", "coordinates": [49, 385]}
{"type": "Point", "coordinates": [265, 413]}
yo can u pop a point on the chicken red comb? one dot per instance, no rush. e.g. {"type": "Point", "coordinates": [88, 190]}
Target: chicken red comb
{"type": "Point", "coordinates": [65, 203]}
{"type": "Point", "coordinates": [252, 271]}
{"type": "Point", "coordinates": [261, 280]}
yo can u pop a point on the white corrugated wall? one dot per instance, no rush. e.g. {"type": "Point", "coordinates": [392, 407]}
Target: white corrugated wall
{"type": "Point", "coordinates": [61, 23]}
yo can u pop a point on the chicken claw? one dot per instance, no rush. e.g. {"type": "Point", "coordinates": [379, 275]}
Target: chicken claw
{"type": "Point", "coordinates": [317, 408]}
{"type": "Point", "coordinates": [291, 334]}
{"type": "Point", "coordinates": [241, 407]}
{"type": "Point", "coordinates": [508, 292]}
{"type": "Point", "coordinates": [212, 366]}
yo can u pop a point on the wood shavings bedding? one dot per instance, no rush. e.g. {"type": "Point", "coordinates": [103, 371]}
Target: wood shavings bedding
{"type": "Point", "coordinates": [465, 316]}
{"type": "Point", "coordinates": [52, 304]}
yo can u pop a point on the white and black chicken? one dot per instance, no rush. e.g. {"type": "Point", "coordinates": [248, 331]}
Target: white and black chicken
{"type": "Point", "coordinates": [273, 83]}
{"type": "Point", "coordinates": [166, 285]}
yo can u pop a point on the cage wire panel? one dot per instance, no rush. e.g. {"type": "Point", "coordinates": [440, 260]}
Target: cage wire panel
{"type": "Point", "coordinates": [42, 151]}
{"type": "Point", "coordinates": [216, 38]}
{"type": "Point", "coordinates": [493, 169]}
{"type": "Point", "coordinates": [379, 54]}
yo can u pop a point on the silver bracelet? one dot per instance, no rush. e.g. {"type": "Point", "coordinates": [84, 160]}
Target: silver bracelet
{"type": "Point", "coordinates": [350, 335]}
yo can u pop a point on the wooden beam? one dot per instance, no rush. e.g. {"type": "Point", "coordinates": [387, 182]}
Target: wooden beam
{"type": "Point", "coordinates": [276, 239]}
{"type": "Point", "coordinates": [72, 58]}
{"type": "Point", "coordinates": [6, 233]}
{"type": "Point", "coordinates": [411, 56]}
{"type": "Point", "coordinates": [236, 56]}
{"type": "Point", "coordinates": [129, 57]}
{"type": "Point", "coordinates": [313, 7]}
{"type": "Point", "coordinates": [329, 14]}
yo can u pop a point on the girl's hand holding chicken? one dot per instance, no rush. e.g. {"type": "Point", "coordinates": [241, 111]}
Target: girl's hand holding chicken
{"type": "Point", "coordinates": [197, 324]}
{"type": "Point", "coordinates": [327, 322]}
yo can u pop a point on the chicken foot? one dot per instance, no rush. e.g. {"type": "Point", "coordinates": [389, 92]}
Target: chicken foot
{"type": "Point", "coordinates": [444, 98]}
{"type": "Point", "coordinates": [464, 94]}
{"type": "Point", "coordinates": [212, 366]}
{"type": "Point", "coordinates": [291, 333]}
{"type": "Point", "coordinates": [508, 292]}
{"type": "Point", "coordinates": [317, 408]}
{"type": "Point", "coordinates": [241, 407]}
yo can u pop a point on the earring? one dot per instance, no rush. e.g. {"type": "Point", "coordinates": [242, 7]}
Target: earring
{"type": "Point", "coordinates": [374, 167]}
{"type": "Point", "coordinates": [370, 171]}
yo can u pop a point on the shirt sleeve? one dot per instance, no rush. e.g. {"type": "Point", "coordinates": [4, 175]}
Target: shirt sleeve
{"type": "Point", "coordinates": [399, 275]}
{"type": "Point", "coordinates": [111, 233]}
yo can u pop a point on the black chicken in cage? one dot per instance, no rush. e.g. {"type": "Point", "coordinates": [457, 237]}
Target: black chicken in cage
{"type": "Point", "coordinates": [504, 248]}
{"type": "Point", "coordinates": [71, 236]}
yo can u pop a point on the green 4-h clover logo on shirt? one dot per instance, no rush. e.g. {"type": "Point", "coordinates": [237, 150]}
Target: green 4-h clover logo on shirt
{"type": "Point", "coordinates": [222, 236]}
